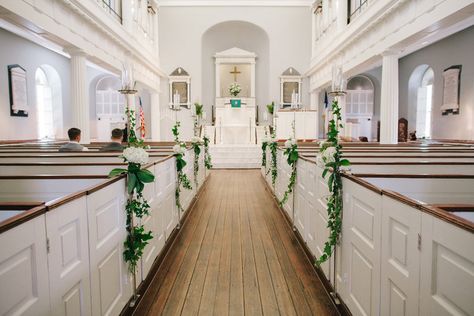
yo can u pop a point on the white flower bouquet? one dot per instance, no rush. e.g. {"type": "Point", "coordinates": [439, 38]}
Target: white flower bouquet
{"type": "Point", "coordinates": [235, 89]}
{"type": "Point", "coordinates": [135, 155]}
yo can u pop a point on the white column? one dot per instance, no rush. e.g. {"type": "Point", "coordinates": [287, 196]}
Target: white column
{"type": "Point", "coordinates": [155, 116]}
{"type": "Point", "coordinates": [127, 16]}
{"type": "Point", "coordinates": [252, 80]}
{"type": "Point", "coordinates": [389, 99]}
{"type": "Point", "coordinates": [313, 31]}
{"type": "Point", "coordinates": [218, 80]}
{"type": "Point", "coordinates": [79, 99]}
{"type": "Point", "coordinates": [314, 106]}
{"type": "Point", "coordinates": [342, 8]}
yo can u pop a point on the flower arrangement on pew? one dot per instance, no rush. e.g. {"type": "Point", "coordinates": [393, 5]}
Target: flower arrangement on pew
{"type": "Point", "coordinates": [179, 150]}
{"type": "Point", "coordinates": [207, 155]}
{"type": "Point", "coordinates": [330, 159]}
{"type": "Point", "coordinates": [196, 143]}
{"type": "Point", "coordinates": [291, 153]}
{"type": "Point", "coordinates": [137, 206]}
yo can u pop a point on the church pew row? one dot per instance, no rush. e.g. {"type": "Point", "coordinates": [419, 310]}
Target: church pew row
{"type": "Point", "coordinates": [67, 253]}
{"type": "Point", "coordinates": [392, 227]}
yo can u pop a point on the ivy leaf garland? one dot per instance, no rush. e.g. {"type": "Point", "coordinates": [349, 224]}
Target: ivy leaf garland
{"type": "Point", "coordinates": [291, 153]}
{"type": "Point", "coordinates": [196, 145]}
{"type": "Point", "coordinates": [137, 206]}
{"type": "Point", "coordinates": [179, 152]}
{"type": "Point", "coordinates": [273, 167]}
{"type": "Point", "coordinates": [264, 154]}
{"type": "Point", "coordinates": [207, 155]}
{"type": "Point", "coordinates": [331, 161]}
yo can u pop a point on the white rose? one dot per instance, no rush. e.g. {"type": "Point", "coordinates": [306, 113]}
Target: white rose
{"type": "Point", "coordinates": [135, 155]}
{"type": "Point", "coordinates": [328, 154]}
{"type": "Point", "coordinates": [196, 139]}
{"type": "Point", "coordinates": [179, 149]}
{"type": "Point", "coordinates": [320, 162]}
{"type": "Point", "coordinates": [266, 140]}
{"type": "Point", "coordinates": [290, 143]}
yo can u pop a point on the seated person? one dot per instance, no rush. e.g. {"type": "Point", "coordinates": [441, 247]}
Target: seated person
{"type": "Point", "coordinates": [116, 144]}
{"type": "Point", "coordinates": [74, 139]}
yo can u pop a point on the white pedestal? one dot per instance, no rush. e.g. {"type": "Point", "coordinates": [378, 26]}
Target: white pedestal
{"type": "Point", "coordinates": [305, 124]}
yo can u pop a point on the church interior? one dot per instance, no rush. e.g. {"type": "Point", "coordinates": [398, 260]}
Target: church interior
{"type": "Point", "coordinates": [236, 157]}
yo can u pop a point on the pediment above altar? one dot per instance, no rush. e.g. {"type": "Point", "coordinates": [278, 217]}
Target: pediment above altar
{"type": "Point", "coordinates": [235, 52]}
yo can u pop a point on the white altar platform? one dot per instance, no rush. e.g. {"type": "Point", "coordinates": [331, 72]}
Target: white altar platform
{"type": "Point", "coordinates": [236, 156]}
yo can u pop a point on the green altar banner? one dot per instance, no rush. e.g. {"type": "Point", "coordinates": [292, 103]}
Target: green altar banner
{"type": "Point", "coordinates": [235, 103]}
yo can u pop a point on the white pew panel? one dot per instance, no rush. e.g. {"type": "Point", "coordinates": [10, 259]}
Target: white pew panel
{"type": "Point", "coordinates": [110, 284]}
{"type": "Point", "coordinates": [447, 268]}
{"type": "Point", "coordinates": [23, 262]}
{"type": "Point", "coordinates": [400, 265]}
{"type": "Point", "coordinates": [361, 239]}
{"type": "Point", "coordinates": [68, 259]}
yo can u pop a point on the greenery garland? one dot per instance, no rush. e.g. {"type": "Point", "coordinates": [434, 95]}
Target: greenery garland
{"type": "Point", "coordinates": [264, 154]}
{"type": "Point", "coordinates": [273, 167]}
{"type": "Point", "coordinates": [291, 151]}
{"type": "Point", "coordinates": [196, 144]}
{"type": "Point", "coordinates": [137, 206]}
{"type": "Point", "coordinates": [207, 155]}
{"type": "Point", "coordinates": [179, 152]}
{"type": "Point", "coordinates": [330, 160]}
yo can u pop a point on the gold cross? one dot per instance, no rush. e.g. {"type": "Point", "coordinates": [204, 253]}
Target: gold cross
{"type": "Point", "coordinates": [235, 72]}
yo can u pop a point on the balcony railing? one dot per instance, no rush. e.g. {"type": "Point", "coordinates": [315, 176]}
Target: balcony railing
{"type": "Point", "coordinates": [355, 8]}
{"type": "Point", "coordinates": [113, 7]}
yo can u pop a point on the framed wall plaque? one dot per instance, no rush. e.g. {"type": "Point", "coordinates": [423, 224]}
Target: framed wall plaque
{"type": "Point", "coordinates": [18, 91]}
{"type": "Point", "coordinates": [451, 90]}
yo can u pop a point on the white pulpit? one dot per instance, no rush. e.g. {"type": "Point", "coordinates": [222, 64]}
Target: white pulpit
{"type": "Point", "coordinates": [306, 124]}
{"type": "Point", "coordinates": [235, 125]}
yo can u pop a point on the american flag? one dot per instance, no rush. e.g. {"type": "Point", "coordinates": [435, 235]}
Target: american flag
{"type": "Point", "coordinates": [142, 120]}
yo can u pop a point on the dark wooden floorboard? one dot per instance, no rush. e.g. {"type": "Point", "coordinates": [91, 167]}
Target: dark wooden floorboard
{"type": "Point", "coordinates": [236, 255]}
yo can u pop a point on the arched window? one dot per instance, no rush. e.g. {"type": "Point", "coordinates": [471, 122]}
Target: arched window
{"type": "Point", "coordinates": [424, 104]}
{"type": "Point", "coordinates": [44, 104]}
{"type": "Point", "coordinates": [48, 102]}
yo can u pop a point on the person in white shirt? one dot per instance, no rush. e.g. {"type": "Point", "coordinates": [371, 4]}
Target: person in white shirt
{"type": "Point", "coordinates": [74, 139]}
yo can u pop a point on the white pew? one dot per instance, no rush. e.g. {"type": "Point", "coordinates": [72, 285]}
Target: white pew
{"type": "Point", "coordinates": [86, 234]}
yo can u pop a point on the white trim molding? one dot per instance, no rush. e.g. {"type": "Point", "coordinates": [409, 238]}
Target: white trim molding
{"type": "Point", "coordinates": [235, 3]}
{"type": "Point", "coordinates": [385, 25]}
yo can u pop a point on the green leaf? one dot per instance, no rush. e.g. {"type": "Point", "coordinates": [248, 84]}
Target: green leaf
{"type": "Point", "coordinates": [116, 172]}
{"type": "Point", "coordinates": [132, 182]}
{"type": "Point", "coordinates": [145, 176]}
{"type": "Point", "coordinates": [345, 162]}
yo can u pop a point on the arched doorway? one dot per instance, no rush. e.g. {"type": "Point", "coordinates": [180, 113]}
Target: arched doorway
{"type": "Point", "coordinates": [48, 103]}
{"type": "Point", "coordinates": [109, 107]}
{"type": "Point", "coordinates": [360, 106]}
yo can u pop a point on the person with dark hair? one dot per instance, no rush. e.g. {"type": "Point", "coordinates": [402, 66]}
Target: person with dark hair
{"type": "Point", "coordinates": [74, 139]}
{"type": "Point", "coordinates": [116, 144]}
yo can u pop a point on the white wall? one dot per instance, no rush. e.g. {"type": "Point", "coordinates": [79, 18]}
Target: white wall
{"type": "Point", "coordinates": [17, 50]}
{"type": "Point", "coordinates": [181, 36]}
{"type": "Point", "coordinates": [454, 50]}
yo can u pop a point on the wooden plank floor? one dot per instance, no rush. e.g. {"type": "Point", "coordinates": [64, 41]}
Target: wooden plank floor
{"type": "Point", "coordinates": [235, 255]}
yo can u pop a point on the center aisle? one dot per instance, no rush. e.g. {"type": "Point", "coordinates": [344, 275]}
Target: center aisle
{"type": "Point", "coordinates": [235, 255]}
